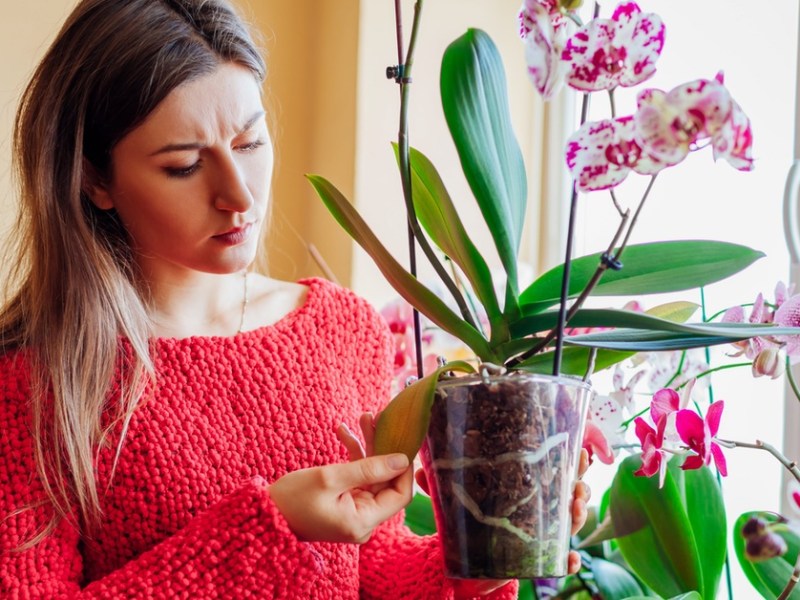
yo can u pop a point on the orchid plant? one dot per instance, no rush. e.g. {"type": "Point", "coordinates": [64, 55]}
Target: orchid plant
{"type": "Point", "coordinates": [544, 327]}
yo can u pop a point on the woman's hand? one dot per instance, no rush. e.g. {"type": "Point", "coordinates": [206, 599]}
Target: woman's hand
{"type": "Point", "coordinates": [343, 502]}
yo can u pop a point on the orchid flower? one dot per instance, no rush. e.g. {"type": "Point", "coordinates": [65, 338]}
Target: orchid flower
{"type": "Point", "coordinates": [399, 317]}
{"type": "Point", "coordinates": [734, 141]}
{"type": "Point", "coordinates": [531, 8]}
{"type": "Point", "coordinates": [652, 440]}
{"type": "Point", "coordinates": [544, 43]}
{"type": "Point", "coordinates": [786, 314]}
{"type": "Point", "coordinates": [670, 124]}
{"type": "Point", "coordinates": [602, 153]}
{"type": "Point", "coordinates": [604, 428]}
{"type": "Point", "coordinates": [595, 442]}
{"type": "Point", "coordinates": [622, 50]}
{"type": "Point", "coordinates": [698, 433]}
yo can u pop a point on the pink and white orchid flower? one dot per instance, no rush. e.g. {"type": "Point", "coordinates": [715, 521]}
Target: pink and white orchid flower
{"type": "Point", "coordinates": [531, 8]}
{"type": "Point", "coordinates": [671, 124]}
{"type": "Point", "coordinates": [786, 313]}
{"type": "Point", "coordinates": [699, 434]}
{"type": "Point", "coordinates": [602, 153]}
{"type": "Point", "coordinates": [620, 51]}
{"type": "Point", "coordinates": [734, 141]}
{"type": "Point", "coordinates": [544, 43]}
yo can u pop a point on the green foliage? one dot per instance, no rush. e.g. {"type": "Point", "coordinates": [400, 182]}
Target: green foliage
{"type": "Point", "coordinates": [473, 88]}
{"type": "Point", "coordinates": [419, 515]}
{"type": "Point", "coordinates": [650, 268]}
{"type": "Point", "coordinates": [673, 538]}
{"type": "Point", "coordinates": [768, 577]}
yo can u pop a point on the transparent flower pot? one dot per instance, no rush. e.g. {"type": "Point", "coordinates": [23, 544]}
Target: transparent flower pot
{"type": "Point", "coordinates": [501, 455]}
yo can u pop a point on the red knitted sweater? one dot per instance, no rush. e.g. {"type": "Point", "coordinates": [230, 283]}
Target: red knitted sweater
{"type": "Point", "coordinates": [189, 513]}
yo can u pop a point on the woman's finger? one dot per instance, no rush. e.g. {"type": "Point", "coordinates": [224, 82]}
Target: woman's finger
{"type": "Point", "coordinates": [573, 562]}
{"type": "Point", "coordinates": [355, 451]}
{"type": "Point", "coordinates": [579, 515]}
{"type": "Point", "coordinates": [367, 424]}
{"type": "Point", "coordinates": [583, 465]}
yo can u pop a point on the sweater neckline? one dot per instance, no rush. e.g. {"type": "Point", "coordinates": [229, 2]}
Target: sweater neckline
{"type": "Point", "coordinates": [313, 284]}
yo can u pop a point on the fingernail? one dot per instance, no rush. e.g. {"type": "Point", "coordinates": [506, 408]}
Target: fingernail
{"type": "Point", "coordinates": [397, 462]}
{"type": "Point", "coordinates": [345, 428]}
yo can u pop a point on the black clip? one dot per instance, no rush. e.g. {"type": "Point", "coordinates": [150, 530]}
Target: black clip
{"type": "Point", "coordinates": [610, 262]}
{"type": "Point", "coordinates": [397, 72]}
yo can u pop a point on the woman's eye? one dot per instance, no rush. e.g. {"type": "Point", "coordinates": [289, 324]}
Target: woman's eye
{"type": "Point", "coordinates": [250, 146]}
{"type": "Point", "coordinates": [182, 171]}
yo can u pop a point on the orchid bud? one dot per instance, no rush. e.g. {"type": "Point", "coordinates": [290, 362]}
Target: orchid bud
{"type": "Point", "coordinates": [765, 547]}
{"type": "Point", "coordinates": [762, 541]}
{"type": "Point", "coordinates": [768, 362]}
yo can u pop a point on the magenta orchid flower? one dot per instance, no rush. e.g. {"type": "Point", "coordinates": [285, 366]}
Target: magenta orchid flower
{"type": "Point", "coordinates": [698, 434]}
{"type": "Point", "coordinates": [602, 153]}
{"type": "Point", "coordinates": [620, 51]}
{"type": "Point", "coordinates": [544, 42]}
{"type": "Point", "coordinates": [652, 441]}
{"type": "Point", "coordinates": [671, 124]}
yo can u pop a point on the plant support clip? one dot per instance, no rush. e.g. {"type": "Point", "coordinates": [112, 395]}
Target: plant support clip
{"type": "Point", "coordinates": [397, 72]}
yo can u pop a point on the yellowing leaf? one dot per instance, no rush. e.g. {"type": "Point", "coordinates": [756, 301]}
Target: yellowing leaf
{"type": "Point", "coordinates": [402, 425]}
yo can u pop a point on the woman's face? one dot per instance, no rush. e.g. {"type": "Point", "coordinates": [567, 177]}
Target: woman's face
{"type": "Point", "coordinates": [190, 184]}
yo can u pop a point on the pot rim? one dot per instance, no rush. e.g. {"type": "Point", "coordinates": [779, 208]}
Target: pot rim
{"type": "Point", "coordinates": [476, 378]}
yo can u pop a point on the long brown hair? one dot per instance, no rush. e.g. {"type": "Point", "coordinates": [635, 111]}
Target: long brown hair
{"type": "Point", "coordinates": [75, 286]}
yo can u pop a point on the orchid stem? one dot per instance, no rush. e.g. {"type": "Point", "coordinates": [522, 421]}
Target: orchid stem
{"type": "Point", "coordinates": [790, 465]}
{"type": "Point", "coordinates": [403, 78]}
{"type": "Point", "coordinates": [791, 380]}
{"type": "Point", "coordinates": [714, 370]}
{"type": "Point", "coordinates": [792, 581]}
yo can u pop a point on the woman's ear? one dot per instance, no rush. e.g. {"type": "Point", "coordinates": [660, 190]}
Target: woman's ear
{"type": "Point", "coordinates": [95, 188]}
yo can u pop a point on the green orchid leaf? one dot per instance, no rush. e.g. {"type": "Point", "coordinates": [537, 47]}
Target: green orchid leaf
{"type": "Point", "coordinates": [419, 515]}
{"type": "Point", "coordinates": [705, 507]}
{"type": "Point", "coordinates": [401, 280]}
{"type": "Point", "coordinates": [650, 268]}
{"type": "Point", "coordinates": [402, 425]}
{"type": "Point", "coordinates": [438, 216]}
{"type": "Point", "coordinates": [677, 336]}
{"type": "Point", "coordinates": [574, 361]}
{"type": "Point", "coordinates": [768, 577]}
{"type": "Point", "coordinates": [687, 596]}
{"type": "Point", "coordinates": [603, 532]}
{"type": "Point", "coordinates": [654, 532]}
{"type": "Point", "coordinates": [613, 581]}
{"type": "Point", "coordinates": [596, 317]}
{"type": "Point", "coordinates": [475, 103]}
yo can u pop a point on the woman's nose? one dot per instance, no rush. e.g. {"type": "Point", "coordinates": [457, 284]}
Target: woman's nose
{"type": "Point", "coordinates": [232, 193]}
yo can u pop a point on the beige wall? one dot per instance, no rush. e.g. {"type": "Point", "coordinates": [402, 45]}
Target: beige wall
{"type": "Point", "coordinates": [26, 30]}
{"type": "Point", "coordinates": [311, 49]}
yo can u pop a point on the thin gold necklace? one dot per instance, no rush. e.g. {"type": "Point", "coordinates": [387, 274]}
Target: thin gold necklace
{"type": "Point", "coordinates": [244, 306]}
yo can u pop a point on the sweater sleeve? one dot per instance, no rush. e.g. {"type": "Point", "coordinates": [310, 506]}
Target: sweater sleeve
{"type": "Point", "coordinates": [239, 547]}
{"type": "Point", "coordinates": [397, 563]}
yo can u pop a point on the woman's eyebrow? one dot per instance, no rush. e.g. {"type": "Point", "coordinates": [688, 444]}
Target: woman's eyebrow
{"type": "Point", "coordinates": [182, 147]}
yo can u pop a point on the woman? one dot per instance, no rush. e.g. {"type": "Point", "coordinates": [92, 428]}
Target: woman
{"type": "Point", "coordinates": [172, 422]}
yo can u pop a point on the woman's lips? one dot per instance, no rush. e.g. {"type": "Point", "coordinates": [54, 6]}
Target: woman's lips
{"type": "Point", "coordinates": [235, 236]}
